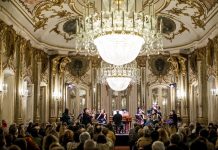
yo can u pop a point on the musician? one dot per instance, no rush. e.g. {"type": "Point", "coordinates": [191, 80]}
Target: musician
{"type": "Point", "coordinates": [102, 117]}
{"type": "Point", "coordinates": [66, 117]}
{"type": "Point", "coordinates": [173, 117]}
{"type": "Point", "coordinates": [117, 119]}
{"type": "Point", "coordinates": [140, 116]}
{"type": "Point", "coordinates": [86, 117]}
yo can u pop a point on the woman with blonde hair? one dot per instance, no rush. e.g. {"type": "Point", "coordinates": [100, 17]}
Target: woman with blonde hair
{"type": "Point", "coordinates": [163, 137]}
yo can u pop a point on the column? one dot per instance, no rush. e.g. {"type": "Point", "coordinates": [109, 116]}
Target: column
{"type": "Point", "coordinates": [53, 61]}
{"type": "Point", "coordinates": [96, 87]}
{"type": "Point", "coordinates": [199, 105]}
{"type": "Point", "coordinates": [37, 80]}
{"type": "Point", "coordinates": [172, 97]}
{"type": "Point", "coordinates": [105, 100]}
{"type": "Point", "coordinates": [142, 63]}
{"type": "Point", "coordinates": [18, 80]}
{"type": "Point", "coordinates": [132, 100]}
{"type": "Point", "coordinates": [188, 90]}
{"type": "Point", "coordinates": [62, 85]}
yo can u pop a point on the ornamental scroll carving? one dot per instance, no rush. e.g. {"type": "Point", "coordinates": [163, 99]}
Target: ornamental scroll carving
{"type": "Point", "coordinates": [9, 40]}
{"type": "Point", "coordinates": [28, 55]}
{"type": "Point", "coordinates": [55, 63]}
{"type": "Point", "coordinates": [178, 65]}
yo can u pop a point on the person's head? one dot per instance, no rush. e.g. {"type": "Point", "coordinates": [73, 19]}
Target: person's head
{"type": "Point", "coordinates": [191, 126]}
{"type": "Point", "coordinates": [14, 147]}
{"type": "Point", "coordinates": [84, 136]}
{"type": "Point", "coordinates": [154, 136]}
{"type": "Point", "coordinates": [21, 131]}
{"type": "Point", "coordinates": [34, 132]}
{"type": "Point", "coordinates": [13, 130]}
{"type": "Point", "coordinates": [110, 126]}
{"type": "Point", "coordinates": [85, 110]}
{"type": "Point", "coordinates": [158, 145]}
{"type": "Point", "coordinates": [4, 124]}
{"type": "Point", "coordinates": [90, 145]}
{"type": "Point", "coordinates": [172, 112]}
{"type": "Point", "coordinates": [102, 111]}
{"type": "Point", "coordinates": [97, 129]}
{"type": "Point", "coordinates": [163, 136]}
{"type": "Point", "coordinates": [48, 140]}
{"type": "Point", "coordinates": [67, 137]}
{"type": "Point", "coordinates": [55, 146]}
{"type": "Point", "coordinates": [9, 139]}
{"type": "Point", "coordinates": [21, 143]}
{"type": "Point", "coordinates": [2, 137]}
{"type": "Point", "coordinates": [101, 139]}
{"type": "Point", "coordinates": [204, 133]}
{"type": "Point", "coordinates": [140, 132]}
{"type": "Point", "coordinates": [147, 133]}
{"type": "Point", "coordinates": [66, 110]}
{"type": "Point", "coordinates": [199, 143]}
{"type": "Point", "coordinates": [175, 139]}
{"type": "Point", "coordinates": [105, 131]}
{"type": "Point", "coordinates": [117, 112]}
{"type": "Point", "coordinates": [213, 133]}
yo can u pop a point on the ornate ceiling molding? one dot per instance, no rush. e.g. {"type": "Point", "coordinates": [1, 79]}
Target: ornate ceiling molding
{"type": "Point", "coordinates": [194, 9]}
{"type": "Point", "coordinates": [39, 38]}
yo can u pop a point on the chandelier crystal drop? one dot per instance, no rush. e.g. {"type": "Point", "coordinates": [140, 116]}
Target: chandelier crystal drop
{"type": "Point", "coordinates": [119, 77]}
{"type": "Point", "coordinates": [119, 31]}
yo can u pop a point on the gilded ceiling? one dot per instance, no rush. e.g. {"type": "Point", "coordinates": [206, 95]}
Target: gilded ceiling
{"type": "Point", "coordinates": [185, 21]}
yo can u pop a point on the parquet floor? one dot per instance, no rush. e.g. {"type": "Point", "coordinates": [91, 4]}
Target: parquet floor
{"type": "Point", "coordinates": [121, 148]}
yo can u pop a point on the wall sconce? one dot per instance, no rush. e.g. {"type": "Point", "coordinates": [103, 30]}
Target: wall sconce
{"type": "Point", "coordinates": [57, 95]}
{"type": "Point", "coordinates": [180, 94]}
{"type": "Point", "coordinates": [172, 85]}
{"type": "Point", "coordinates": [164, 102]}
{"type": "Point", "coordinates": [94, 89]}
{"type": "Point", "coordinates": [3, 88]}
{"type": "Point", "coordinates": [24, 92]}
{"type": "Point", "coordinates": [214, 92]}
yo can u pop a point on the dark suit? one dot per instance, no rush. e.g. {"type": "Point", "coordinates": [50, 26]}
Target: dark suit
{"type": "Point", "coordinates": [117, 119]}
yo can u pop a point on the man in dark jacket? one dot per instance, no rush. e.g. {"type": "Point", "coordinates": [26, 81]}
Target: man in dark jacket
{"type": "Point", "coordinates": [117, 119]}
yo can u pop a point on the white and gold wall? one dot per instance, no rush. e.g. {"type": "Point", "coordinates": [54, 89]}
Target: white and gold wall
{"type": "Point", "coordinates": [36, 86]}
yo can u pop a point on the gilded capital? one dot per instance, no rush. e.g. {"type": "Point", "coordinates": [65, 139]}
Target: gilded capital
{"type": "Point", "coordinates": [63, 64]}
{"type": "Point", "coordinates": [141, 61]}
{"type": "Point", "coordinates": [182, 61]}
{"type": "Point", "coordinates": [55, 62]}
{"type": "Point", "coordinates": [96, 62]}
{"type": "Point", "coordinates": [201, 54]}
{"type": "Point", "coordinates": [174, 65]}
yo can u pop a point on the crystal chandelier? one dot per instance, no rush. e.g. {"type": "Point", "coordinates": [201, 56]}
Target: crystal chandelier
{"type": "Point", "coordinates": [119, 77]}
{"type": "Point", "coordinates": [120, 31]}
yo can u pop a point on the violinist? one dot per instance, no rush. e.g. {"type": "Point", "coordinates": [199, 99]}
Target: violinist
{"type": "Point", "coordinates": [102, 117]}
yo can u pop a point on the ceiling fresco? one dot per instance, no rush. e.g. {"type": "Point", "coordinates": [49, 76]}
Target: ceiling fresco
{"type": "Point", "coordinates": [184, 21]}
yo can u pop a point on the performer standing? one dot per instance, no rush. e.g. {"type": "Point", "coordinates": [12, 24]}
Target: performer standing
{"type": "Point", "coordinates": [174, 118]}
{"type": "Point", "coordinates": [117, 119]}
{"type": "Point", "coordinates": [86, 118]}
{"type": "Point", "coordinates": [65, 117]}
